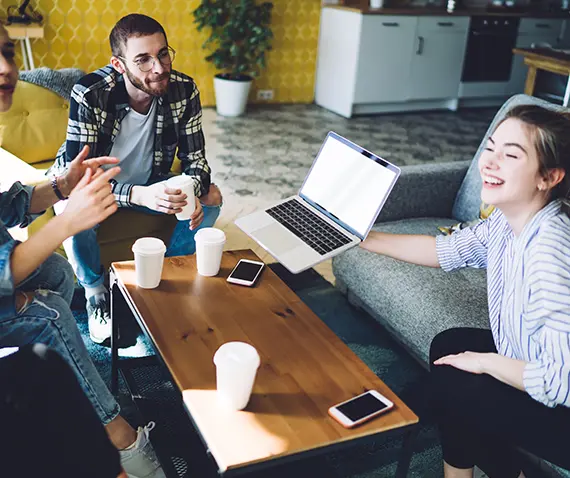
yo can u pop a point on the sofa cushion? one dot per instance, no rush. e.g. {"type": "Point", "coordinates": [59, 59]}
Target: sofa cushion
{"type": "Point", "coordinates": [35, 126]}
{"type": "Point", "coordinates": [43, 166]}
{"type": "Point", "coordinates": [414, 303]}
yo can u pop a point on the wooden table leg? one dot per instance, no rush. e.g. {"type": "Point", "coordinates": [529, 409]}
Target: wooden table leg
{"type": "Point", "coordinates": [530, 80]}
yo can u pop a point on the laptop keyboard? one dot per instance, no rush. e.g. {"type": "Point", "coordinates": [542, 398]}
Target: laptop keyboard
{"type": "Point", "coordinates": [308, 227]}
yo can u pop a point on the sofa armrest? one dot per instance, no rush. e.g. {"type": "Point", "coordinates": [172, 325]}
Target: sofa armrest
{"type": "Point", "coordinates": [424, 190]}
{"type": "Point", "coordinates": [14, 169]}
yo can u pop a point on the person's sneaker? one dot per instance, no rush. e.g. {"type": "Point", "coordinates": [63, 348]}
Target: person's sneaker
{"type": "Point", "coordinates": [99, 319]}
{"type": "Point", "coordinates": [139, 460]}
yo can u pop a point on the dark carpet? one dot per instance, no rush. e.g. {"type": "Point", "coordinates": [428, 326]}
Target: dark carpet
{"type": "Point", "coordinates": [181, 450]}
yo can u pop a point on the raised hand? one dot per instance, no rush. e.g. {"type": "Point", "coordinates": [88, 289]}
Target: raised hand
{"type": "Point", "coordinates": [79, 166]}
{"type": "Point", "coordinates": [91, 201]}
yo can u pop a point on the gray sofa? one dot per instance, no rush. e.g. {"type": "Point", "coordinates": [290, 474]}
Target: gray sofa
{"type": "Point", "coordinates": [415, 303]}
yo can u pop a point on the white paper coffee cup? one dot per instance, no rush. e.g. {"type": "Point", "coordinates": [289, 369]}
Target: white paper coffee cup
{"type": "Point", "coordinates": [376, 3]}
{"type": "Point", "coordinates": [149, 259]}
{"type": "Point", "coordinates": [236, 367]}
{"type": "Point", "coordinates": [186, 185]}
{"type": "Point", "coordinates": [209, 248]}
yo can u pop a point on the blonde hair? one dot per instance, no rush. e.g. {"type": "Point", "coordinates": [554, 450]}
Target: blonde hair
{"type": "Point", "coordinates": [550, 135]}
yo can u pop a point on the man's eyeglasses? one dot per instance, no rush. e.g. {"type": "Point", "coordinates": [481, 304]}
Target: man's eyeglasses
{"type": "Point", "coordinates": [146, 63]}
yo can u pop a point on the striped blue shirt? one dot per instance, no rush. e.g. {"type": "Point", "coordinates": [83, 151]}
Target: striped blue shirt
{"type": "Point", "coordinates": [528, 286]}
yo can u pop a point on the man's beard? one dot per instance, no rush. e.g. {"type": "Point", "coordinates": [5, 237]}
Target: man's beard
{"type": "Point", "coordinates": [141, 86]}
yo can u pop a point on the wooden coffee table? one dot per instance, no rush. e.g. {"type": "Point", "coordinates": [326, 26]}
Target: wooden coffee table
{"type": "Point", "coordinates": [305, 368]}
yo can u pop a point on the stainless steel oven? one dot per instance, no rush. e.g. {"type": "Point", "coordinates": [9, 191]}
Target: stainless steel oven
{"type": "Point", "coordinates": [489, 56]}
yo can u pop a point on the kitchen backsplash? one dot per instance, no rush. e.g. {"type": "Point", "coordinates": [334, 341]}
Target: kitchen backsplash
{"type": "Point", "coordinates": [77, 31]}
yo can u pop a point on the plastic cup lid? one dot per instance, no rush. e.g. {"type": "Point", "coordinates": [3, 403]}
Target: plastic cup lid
{"type": "Point", "coordinates": [179, 181]}
{"type": "Point", "coordinates": [238, 353]}
{"type": "Point", "coordinates": [210, 235]}
{"type": "Point", "coordinates": [149, 246]}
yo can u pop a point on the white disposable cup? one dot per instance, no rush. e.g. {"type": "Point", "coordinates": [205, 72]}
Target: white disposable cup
{"type": "Point", "coordinates": [149, 259]}
{"type": "Point", "coordinates": [209, 248]}
{"type": "Point", "coordinates": [186, 185]}
{"type": "Point", "coordinates": [236, 367]}
{"type": "Point", "coordinates": [376, 3]}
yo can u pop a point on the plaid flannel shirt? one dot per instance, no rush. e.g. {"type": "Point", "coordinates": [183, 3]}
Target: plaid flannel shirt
{"type": "Point", "coordinates": [99, 102]}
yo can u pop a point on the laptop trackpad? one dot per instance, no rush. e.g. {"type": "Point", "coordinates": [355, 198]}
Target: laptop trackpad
{"type": "Point", "coordinates": [276, 239]}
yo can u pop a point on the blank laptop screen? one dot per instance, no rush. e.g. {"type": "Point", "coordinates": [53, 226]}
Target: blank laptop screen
{"type": "Point", "coordinates": [348, 184]}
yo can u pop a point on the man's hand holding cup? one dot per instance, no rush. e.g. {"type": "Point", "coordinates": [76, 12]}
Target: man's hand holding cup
{"type": "Point", "coordinates": [159, 197]}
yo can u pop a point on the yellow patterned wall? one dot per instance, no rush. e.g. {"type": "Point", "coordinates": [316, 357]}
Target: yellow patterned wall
{"type": "Point", "coordinates": [77, 31]}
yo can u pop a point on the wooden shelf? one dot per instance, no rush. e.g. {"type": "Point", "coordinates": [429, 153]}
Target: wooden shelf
{"type": "Point", "coordinates": [18, 32]}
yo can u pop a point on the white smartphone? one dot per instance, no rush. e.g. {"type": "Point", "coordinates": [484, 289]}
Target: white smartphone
{"type": "Point", "coordinates": [245, 272]}
{"type": "Point", "coordinates": [360, 409]}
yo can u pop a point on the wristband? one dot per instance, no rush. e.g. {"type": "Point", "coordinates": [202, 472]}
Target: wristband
{"type": "Point", "coordinates": [56, 190]}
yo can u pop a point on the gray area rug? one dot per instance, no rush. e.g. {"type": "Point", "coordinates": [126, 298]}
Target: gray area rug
{"type": "Point", "coordinates": [265, 154]}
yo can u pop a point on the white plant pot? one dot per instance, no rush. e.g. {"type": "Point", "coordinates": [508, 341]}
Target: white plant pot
{"type": "Point", "coordinates": [231, 96]}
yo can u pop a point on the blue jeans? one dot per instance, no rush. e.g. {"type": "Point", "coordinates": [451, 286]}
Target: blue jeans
{"type": "Point", "coordinates": [48, 320]}
{"type": "Point", "coordinates": [85, 257]}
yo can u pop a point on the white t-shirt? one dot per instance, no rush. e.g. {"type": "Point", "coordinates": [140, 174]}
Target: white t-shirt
{"type": "Point", "coordinates": [134, 146]}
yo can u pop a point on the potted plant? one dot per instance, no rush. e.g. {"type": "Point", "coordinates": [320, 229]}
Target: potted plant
{"type": "Point", "coordinates": [240, 36]}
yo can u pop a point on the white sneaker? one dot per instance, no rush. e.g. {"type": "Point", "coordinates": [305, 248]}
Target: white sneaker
{"type": "Point", "coordinates": [99, 319]}
{"type": "Point", "coordinates": [139, 461]}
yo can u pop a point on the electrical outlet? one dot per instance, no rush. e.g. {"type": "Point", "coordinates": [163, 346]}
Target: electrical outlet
{"type": "Point", "coordinates": [265, 95]}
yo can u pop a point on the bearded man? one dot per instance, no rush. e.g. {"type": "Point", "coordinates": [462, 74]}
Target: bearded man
{"type": "Point", "coordinates": [140, 110]}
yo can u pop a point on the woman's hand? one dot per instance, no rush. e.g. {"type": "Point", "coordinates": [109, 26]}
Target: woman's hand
{"type": "Point", "coordinates": [78, 167]}
{"type": "Point", "coordinates": [471, 362]}
{"type": "Point", "coordinates": [91, 202]}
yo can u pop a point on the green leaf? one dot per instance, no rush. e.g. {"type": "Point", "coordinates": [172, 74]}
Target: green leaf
{"type": "Point", "coordinates": [240, 34]}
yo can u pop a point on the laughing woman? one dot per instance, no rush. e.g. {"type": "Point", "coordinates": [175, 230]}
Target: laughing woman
{"type": "Point", "coordinates": [508, 387]}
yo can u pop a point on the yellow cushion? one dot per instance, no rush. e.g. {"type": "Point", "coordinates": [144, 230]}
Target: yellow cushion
{"type": "Point", "coordinates": [485, 210]}
{"type": "Point", "coordinates": [43, 166]}
{"type": "Point", "coordinates": [35, 126]}
{"type": "Point", "coordinates": [176, 166]}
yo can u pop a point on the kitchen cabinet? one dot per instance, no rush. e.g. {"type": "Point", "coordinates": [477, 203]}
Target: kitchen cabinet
{"type": "Point", "coordinates": [379, 63]}
{"type": "Point", "coordinates": [437, 61]}
{"type": "Point", "coordinates": [386, 48]}
{"type": "Point", "coordinates": [382, 63]}
{"type": "Point", "coordinates": [532, 33]}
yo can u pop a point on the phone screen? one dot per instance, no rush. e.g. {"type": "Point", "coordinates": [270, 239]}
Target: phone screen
{"type": "Point", "coordinates": [246, 271]}
{"type": "Point", "coordinates": [362, 407]}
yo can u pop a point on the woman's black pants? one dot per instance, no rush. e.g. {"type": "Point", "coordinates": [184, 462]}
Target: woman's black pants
{"type": "Point", "coordinates": [482, 421]}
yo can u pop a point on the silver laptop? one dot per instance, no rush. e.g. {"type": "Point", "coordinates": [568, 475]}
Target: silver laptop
{"type": "Point", "coordinates": [335, 209]}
